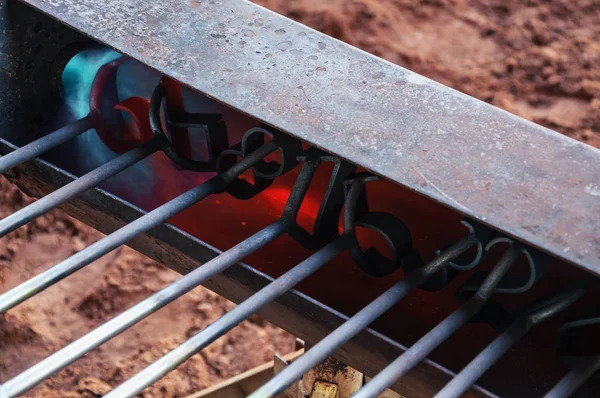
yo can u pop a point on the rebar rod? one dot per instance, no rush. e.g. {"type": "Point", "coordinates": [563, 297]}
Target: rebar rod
{"type": "Point", "coordinates": [105, 332]}
{"type": "Point", "coordinates": [240, 313]}
{"type": "Point", "coordinates": [486, 358]}
{"type": "Point", "coordinates": [436, 336]}
{"type": "Point", "coordinates": [47, 142]}
{"type": "Point", "coordinates": [34, 375]}
{"type": "Point", "coordinates": [360, 321]}
{"type": "Point", "coordinates": [76, 187]}
{"type": "Point", "coordinates": [134, 228]}
{"type": "Point", "coordinates": [569, 384]}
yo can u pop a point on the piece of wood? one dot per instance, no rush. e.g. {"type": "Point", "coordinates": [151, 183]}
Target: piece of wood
{"type": "Point", "coordinates": [323, 389]}
{"type": "Point", "coordinates": [387, 393]}
{"type": "Point", "coordinates": [347, 379]}
{"type": "Point", "coordinates": [245, 383]}
{"type": "Point", "coordinates": [278, 365]}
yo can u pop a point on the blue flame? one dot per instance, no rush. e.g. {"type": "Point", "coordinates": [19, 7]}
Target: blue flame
{"type": "Point", "coordinates": [154, 180]}
{"type": "Point", "coordinates": [88, 151]}
{"type": "Point", "coordinates": [78, 76]}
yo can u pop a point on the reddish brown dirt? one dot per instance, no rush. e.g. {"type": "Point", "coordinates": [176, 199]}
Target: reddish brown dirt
{"type": "Point", "coordinates": [52, 319]}
{"type": "Point", "coordinates": [539, 59]}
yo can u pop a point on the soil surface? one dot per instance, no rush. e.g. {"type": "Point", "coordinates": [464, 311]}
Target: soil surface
{"type": "Point", "coordinates": [538, 59]}
{"type": "Point", "coordinates": [50, 320]}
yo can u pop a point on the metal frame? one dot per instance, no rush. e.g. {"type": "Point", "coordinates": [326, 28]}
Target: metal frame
{"type": "Point", "coordinates": [540, 312]}
{"type": "Point", "coordinates": [302, 316]}
{"type": "Point", "coordinates": [472, 157]}
{"type": "Point", "coordinates": [260, 290]}
{"type": "Point", "coordinates": [425, 150]}
{"type": "Point", "coordinates": [418, 351]}
{"type": "Point", "coordinates": [271, 289]}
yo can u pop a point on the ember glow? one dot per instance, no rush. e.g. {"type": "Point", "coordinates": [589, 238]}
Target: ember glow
{"type": "Point", "coordinates": [222, 220]}
{"type": "Point", "coordinates": [154, 180]}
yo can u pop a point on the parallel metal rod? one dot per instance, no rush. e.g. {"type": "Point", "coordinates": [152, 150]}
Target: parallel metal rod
{"type": "Point", "coordinates": [574, 379]}
{"type": "Point", "coordinates": [486, 358]}
{"type": "Point", "coordinates": [76, 187]}
{"type": "Point", "coordinates": [119, 237]}
{"type": "Point", "coordinates": [47, 142]}
{"type": "Point", "coordinates": [419, 351]}
{"type": "Point", "coordinates": [34, 375]}
{"type": "Point", "coordinates": [360, 321]}
{"type": "Point", "coordinates": [100, 335]}
{"type": "Point", "coordinates": [228, 321]}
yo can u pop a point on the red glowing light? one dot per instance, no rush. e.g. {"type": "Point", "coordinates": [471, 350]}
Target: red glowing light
{"type": "Point", "coordinates": [212, 220]}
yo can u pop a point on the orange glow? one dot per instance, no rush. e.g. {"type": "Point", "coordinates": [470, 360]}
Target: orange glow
{"type": "Point", "coordinates": [223, 221]}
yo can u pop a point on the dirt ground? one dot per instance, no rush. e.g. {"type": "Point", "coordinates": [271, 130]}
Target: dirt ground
{"type": "Point", "coordinates": [538, 59]}
{"type": "Point", "coordinates": [52, 319]}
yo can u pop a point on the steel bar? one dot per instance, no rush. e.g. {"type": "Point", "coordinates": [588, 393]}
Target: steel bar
{"type": "Point", "coordinates": [569, 384]}
{"type": "Point", "coordinates": [310, 320]}
{"type": "Point", "coordinates": [419, 351]}
{"type": "Point", "coordinates": [76, 187]}
{"type": "Point", "coordinates": [228, 321]}
{"type": "Point", "coordinates": [422, 144]}
{"type": "Point", "coordinates": [486, 358]}
{"type": "Point", "coordinates": [360, 321]}
{"type": "Point", "coordinates": [47, 142]}
{"type": "Point", "coordinates": [98, 336]}
{"type": "Point", "coordinates": [119, 237]}
{"type": "Point", "coordinates": [34, 375]}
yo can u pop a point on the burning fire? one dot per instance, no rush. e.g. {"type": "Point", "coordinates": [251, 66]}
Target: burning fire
{"type": "Point", "coordinates": [155, 180]}
{"type": "Point", "coordinates": [222, 220]}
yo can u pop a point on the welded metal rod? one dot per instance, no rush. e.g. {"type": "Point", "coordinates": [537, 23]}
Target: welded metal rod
{"type": "Point", "coordinates": [34, 375]}
{"type": "Point", "coordinates": [98, 336]}
{"type": "Point", "coordinates": [575, 379]}
{"type": "Point", "coordinates": [486, 358]}
{"type": "Point", "coordinates": [47, 142]}
{"type": "Point", "coordinates": [228, 321]}
{"type": "Point", "coordinates": [419, 351]}
{"type": "Point", "coordinates": [360, 321]}
{"type": "Point", "coordinates": [134, 228]}
{"type": "Point", "coordinates": [76, 187]}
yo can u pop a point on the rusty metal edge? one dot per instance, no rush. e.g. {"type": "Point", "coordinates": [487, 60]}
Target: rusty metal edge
{"type": "Point", "coordinates": [504, 171]}
{"type": "Point", "coordinates": [302, 316]}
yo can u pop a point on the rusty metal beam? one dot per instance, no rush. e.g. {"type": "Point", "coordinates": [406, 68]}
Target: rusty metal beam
{"type": "Point", "coordinates": [521, 178]}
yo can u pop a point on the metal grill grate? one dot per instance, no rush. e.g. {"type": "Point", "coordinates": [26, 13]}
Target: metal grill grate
{"type": "Point", "coordinates": [347, 189]}
{"type": "Point", "coordinates": [346, 197]}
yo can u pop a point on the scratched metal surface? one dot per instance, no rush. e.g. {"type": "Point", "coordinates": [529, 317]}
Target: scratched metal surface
{"type": "Point", "coordinates": [519, 177]}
